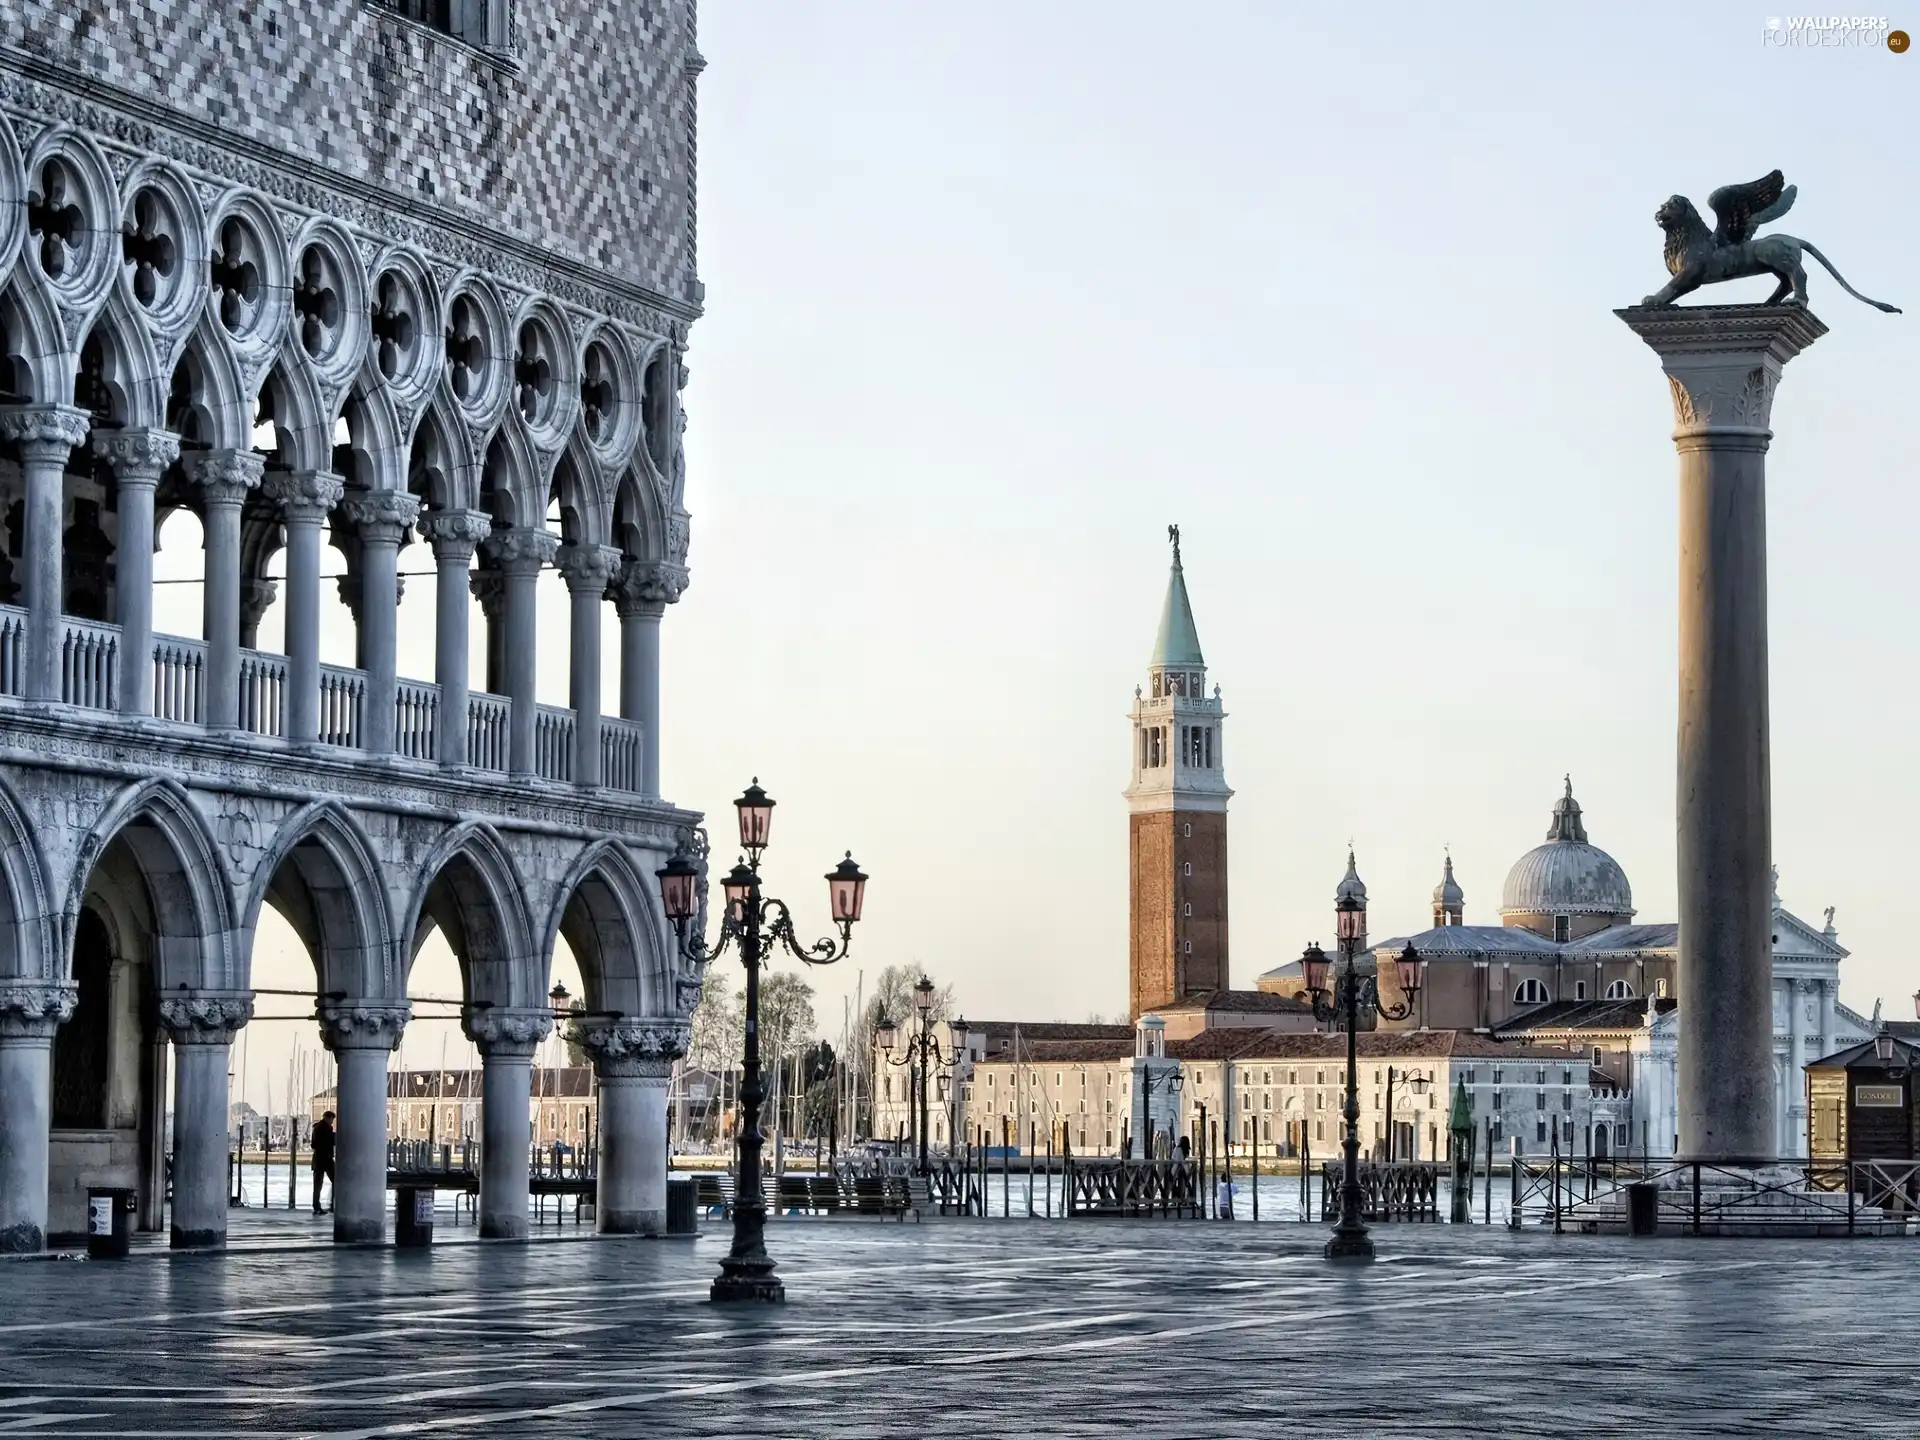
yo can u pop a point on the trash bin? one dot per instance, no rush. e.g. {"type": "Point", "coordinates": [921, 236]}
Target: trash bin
{"type": "Point", "coordinates": [1643, 1209]}
{"type": "Point", "coordinates": [109, 1223]}
{"type": "Point", "coordinates": [412, 1217]}
{"type": "Point", "coordinates": [680, 1207]}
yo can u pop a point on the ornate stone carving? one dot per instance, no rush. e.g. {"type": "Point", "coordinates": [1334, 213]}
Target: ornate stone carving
{"type": "Point", "coordinates": [46, 432]}
{"type": "Point", "coordinates": [686, 994]}
{"type": "Point", "coordinates": [489, 587]}
{"type": "Point", "coordinates": [587, 567]}
{"type": "Point", "coordinates": [498, 1030]}
{"type": "Point", "coordinates": [31, 1009]}
{"type": "Point", "coordinates": [381, 514]}
{"type": "Point", "coordinates": [634, 1048]}
{"type": "Point", "coordinates": [137, 456]}
{"type": "Point", "coordinates": [205, 1018]}
{"type": "Point", "coordinates": [225, 477]}
{"type": "Point", "coordinates": [303, 494]}
{"type": "Point", "coordinates": [453, 533]}
{"type": "Point", "coordinates": [1723, 362]}
{"type": "Point", "coordinates": [375, 1025]}
{"type": "Point", "coordinates": [647, 587]}
{"type": "Point", "coordinates": [520, 551]}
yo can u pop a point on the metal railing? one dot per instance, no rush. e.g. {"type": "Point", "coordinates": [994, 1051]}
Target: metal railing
{"type": "Point", "coordinates": [1399, 1190]}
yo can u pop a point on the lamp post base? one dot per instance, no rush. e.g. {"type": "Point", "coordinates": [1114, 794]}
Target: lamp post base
{"type": "Point", "coordinates": [1349, 1246]}
{"type": "Point", "coordinates": [760, 1288]}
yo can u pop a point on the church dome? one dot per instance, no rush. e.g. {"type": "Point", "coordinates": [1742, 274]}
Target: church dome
{"type": "Point", "coordinates": [1566, 876]}
{"type": "Point", "coordinates": [1448, 892]}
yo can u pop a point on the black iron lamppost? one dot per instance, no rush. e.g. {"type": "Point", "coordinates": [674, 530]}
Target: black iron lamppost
{"type": "Point", "coordinates": [755, 923]}
{"type": "Point", "coordinates": [1355, 995]}
{"type": "Point", "coordinates": [922, 1051]}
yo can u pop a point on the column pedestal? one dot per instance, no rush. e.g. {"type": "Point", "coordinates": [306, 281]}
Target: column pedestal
{"type": "Point", "coordinates": [453, 535]}
{"type": "Point", "coordinates": [632, 1062]}
{"type": "Point", "coordinates": [507, 1039]}
{"type": "Point", "coordinates": [361, 1037]}
{"type": "Point", "coordinates": [202, 1028]}
{"type": "Point", "coordinates": [29, 1016]}
{"type": "Point", "coordinates": [1722, 364]}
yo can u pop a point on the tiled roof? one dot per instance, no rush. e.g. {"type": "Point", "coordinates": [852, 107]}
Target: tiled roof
{"type": "Point", "coordinates": [998, 1035]}
{"type": "Point", "coordinates": [1630, 937]}
{"type": "Point", "coordinates": [1243, 1002]}
{"type": "Point", "coordinates": [1583, 1015]}
{"type": "Point", "coordinates": [1449, 942]}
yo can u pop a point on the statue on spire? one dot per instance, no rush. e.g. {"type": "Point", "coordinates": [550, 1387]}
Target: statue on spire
{"type": "Point", "coordinates": [1173, 534]}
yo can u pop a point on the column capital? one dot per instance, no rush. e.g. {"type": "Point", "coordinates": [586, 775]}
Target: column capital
{"type": "Point", "coordinates": [587, 568]}
{"type": "Point", "coordinates": [205, 1017]}
{"type": "Point", "coordinates": [489, 587]}
{"type": "Point", "coordinates": [44, 432]}
{"type": "Point", "coordinates": [34, 1009]}
{"type": "Point", "coordinates": [304, 494]}
{"type": "Point", "coordinates": [647, 587]}
{"type": "Point", "coordinates": [368, 1025]}
{"type": "Point", "coordinates": [137, 457]}
{"type": "Point", "coordinates": [633, 1049]}
{"type": "Point", "coordinates": [453, 533]}
{"type": "Point", "coordinates": [501, 1030]}
{"type": "Point", "coordinates": [381, 515]}
{"type": "Point", "coordinates": [225, 477]}
{"type": "Point", "coordinates": [1723, 362]}
{"type": "Point", "coordinates": [520, 551]}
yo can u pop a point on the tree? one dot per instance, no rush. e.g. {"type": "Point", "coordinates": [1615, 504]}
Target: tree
{"type": "Point", "coordinates": [786, 1013]}
{"type": "Point", "coordinates": [818, 1068]}
{"type": "Point", "coordinates": [892, 999]}
{"type": "Point", "coordinates": [715, 1042]}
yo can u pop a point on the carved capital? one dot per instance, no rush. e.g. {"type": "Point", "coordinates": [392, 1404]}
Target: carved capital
{"type": "Point", "coordinates": [634, 1049]}
{"type": "Point", "coordinates": [453, 533]}
{"type": "Point", "coordinates": [498, 1030]}
{"type": "Point", "coordinates": [518, 551]}
{"type": "Point", "coordinates": [33, 1010]}
{"type": "Point", "coordinates": [303, 494]}
{"type": "Point", "coordinates": [381, 516]}
{"type": "Point", "coordinates": [137, 457]}
{"type": "Point", "coordinates": [224, 477]}
{"type": "Point", "coordinates": [372, 1026]}
{"type": "Point", "coordinates": [647, 587]}
{"type": "Point", "coordinates": [687, 989]}
{"type": "Point", "coordinates": [45, 432]}
{"type": "Point", "coordinates": [1723, 362]}
{"type": "Point", "coordinates": [203, 1018]}
{"type": "Point", "coordinates": [489, 587]}
{"type": "Point", "coordinates": [587, 568]}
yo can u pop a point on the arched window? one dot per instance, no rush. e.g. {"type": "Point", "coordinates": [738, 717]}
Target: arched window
{"type": "Point", "coordinates": [1530, 992]}
{"type": "Point", "coordinates": [1620, 990]}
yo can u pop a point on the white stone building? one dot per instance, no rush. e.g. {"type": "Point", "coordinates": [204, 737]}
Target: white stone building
{"type": "Point", "coordinates": [373, 273]}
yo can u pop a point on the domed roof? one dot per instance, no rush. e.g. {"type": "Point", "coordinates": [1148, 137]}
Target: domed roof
{"type": "Point", "coordinates": [1448, 891]}
{"type": "Point", "coordinates": [1351, 885]}
{"type": "Point", "coordinates": [1566, 876]}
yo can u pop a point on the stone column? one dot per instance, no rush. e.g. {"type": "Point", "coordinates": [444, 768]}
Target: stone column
{"type": "Point", "coordinates": [1793, 1132]}
{"type": "Point", "coordinates": [138, 459]}
{"type": "Point", "coordinates": [30, 1011]}
{"type": "Point", "coordinates": [46, 435]}
{"type": "Point", "coordinates": [381, 517]}
{"type": "Point", "coordinates": [519, 555]}
{"type": "Point", "coordinates": [1722, 363]}
{"type": "Point", "coordinates": [1827, 1041]}
{"type": "Point", "coordinates": [641, 593]}
{"type": "Point", "coordinates": [305, 497]}
{"type": "Point", "coordinates": [588, 570]}
{"type": "Point", "coordinates": [489, 587]}
{"type": "Point", "coordinates": [361, 1037]}
{"type": "Point", "coordinates": [507, 1039]}
{"type": "Point", "coordinates": [201, 1026]}
{"type": "Point", "coordinates": [632, 1061]}
{"type": "Point", "coordinates": [224, 477]}
{"type": "Point", "coordinates": [453, 534]}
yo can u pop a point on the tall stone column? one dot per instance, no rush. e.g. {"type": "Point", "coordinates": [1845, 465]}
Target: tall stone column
{"type": "Point", "coordinates": [507, 1039]}
{"type": "Point", "coordinates": [30, 1012]}
{"type": "Point", "coordinates": [1793, 1130]}
{"type": "Point", "coordinates": [452, 534]}
{"type": "Point", "coordinates": [202, 1027]}
{"type": "Point", "coordinates": [1722, 363]}
{"type": "Point", "coordinates": [489, 587]}
{"type": "Point", "coordinates": [305, 497]}
{"type": "Point", "coordinates": [46, 435]}
{"type": "Point", "coordinates": [588, 570]}
{"type": "Point", "coordinates": [632, 1061]}
{"type": "Point", "coordinates": [224, 478]}
{"type": "Point", "coordinates": [641, 593]}
{"type": "Point", "coordinates": [519, 555]}
{"type": "Point", "coordinates": [381, 517]}
{"type": "Point", "coordinates": [138, 458]}
{"type": "Point", "coordinates": [361, 1037]}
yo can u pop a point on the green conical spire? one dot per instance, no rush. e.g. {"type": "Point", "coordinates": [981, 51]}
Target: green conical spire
{"type": "Point", "coordinates": [1177, 646]}
{"type": "Point", "coordinates": [1460, 1122]}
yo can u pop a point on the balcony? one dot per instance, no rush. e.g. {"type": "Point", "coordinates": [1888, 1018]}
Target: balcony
{"type": "Point", "coordinates": [90, 665]}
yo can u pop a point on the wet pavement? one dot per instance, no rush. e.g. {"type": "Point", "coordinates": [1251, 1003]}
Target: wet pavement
{"type": "Point", "coordinates": [1013, 1328]}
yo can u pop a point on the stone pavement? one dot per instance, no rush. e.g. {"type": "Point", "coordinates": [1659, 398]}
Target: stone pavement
{"type": "Point", "coordinates": [978, 1328]}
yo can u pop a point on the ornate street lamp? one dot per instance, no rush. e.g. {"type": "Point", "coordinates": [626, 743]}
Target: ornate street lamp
{"type": "Point", "coordinates": [922, 1050]}
{"type": "Point", "coordinates": [754, 922]}
{"type": "Point", "coordinates": [1355, 994]}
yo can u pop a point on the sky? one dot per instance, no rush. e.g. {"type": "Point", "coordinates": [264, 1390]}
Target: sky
{"type": "Point", "coordinates": [996, 292]}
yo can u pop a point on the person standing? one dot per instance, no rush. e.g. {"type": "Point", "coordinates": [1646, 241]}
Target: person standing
{"type": "Point", "coordinates": [322, 1141]}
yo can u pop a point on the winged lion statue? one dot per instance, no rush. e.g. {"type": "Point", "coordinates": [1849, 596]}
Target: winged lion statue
{"type": "Point", "coordinates": [1698, 256]}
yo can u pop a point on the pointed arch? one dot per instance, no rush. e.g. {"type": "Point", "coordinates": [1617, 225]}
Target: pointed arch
{"type": "Point", "coordinates": [470, 889]}
{"type": "Point", "coordinates": [134, 383]}
{"type": "Point", "coordinates": [27, 949]}
{"type": "Point", "coordinates": [639, 524]}
{"type": "Point", "coordinates": [608, 913]}
{"type": "Point", "coordinates": [512, 482]}
{"type": "Point", "coordinates": [323, 876]}
{"type": "Point", "coordinates": [576, 485]}
{"type": "Point", "coordinates": [379, 450]}
{"type": "Point", "coordinates": [207, 405]}
{"type": "Point", "coordinates": [151, 835]}
{"type": "Point", "coordinates": [39, 365]}
{"type": "Point", "coordinates": [302, 422]}
{"type": "Point", "coordinates": [440, 466]}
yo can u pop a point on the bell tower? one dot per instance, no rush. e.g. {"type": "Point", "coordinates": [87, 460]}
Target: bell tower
{"type": "Point", "coordinates": [1177, 818]}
